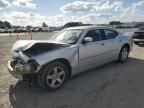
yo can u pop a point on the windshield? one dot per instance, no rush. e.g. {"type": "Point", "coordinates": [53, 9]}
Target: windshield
{"type": "Point", "coordinates": [69, 36]}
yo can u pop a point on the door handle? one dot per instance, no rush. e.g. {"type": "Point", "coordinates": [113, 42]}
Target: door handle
{"type": "Point", "coordinates": [102, 44]}
{"type": "Point", "coordinates": [120, 40]}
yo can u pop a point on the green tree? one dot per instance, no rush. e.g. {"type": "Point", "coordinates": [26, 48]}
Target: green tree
{"type": "Point", "coordinates": [7, 24]}
{"type": "Point", "coordinates": [115, 23]}
{"type": "Point", "coordinates": [1, 24]}
{"type": "Point", "coordinates": [44, 24]}
{"type": "Point", "coordinates": [73, 24]}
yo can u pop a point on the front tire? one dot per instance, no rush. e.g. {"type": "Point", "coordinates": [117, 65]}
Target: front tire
{"type": "Point", "coordinates": [123, 55]}
{"type": "Point", "coordinates": [54, 76]}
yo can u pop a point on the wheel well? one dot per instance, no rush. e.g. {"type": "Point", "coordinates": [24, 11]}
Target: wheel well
{"type": "Point", "coordinates": [64, 61]}
{"type": "Point", "coordinates": [127, 46]}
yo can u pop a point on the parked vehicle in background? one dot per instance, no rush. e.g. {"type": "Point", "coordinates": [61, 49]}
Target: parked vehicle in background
{"type": "Point", "coordinates": [45, 29]}
{"type": "Point", "coordinates": [37, 29]}
{"type": "Point", "coordinates": [73, 50]}
{"type": "Point", "coordinates": [138, 36]}
{"type": "Point", "coordinates": [2, 30]}
{"type": "Point", "coordinates": [31, 29]}
{"type": "Point", "coordinates": [5, 30]}
{"type": "Point", "coordinates": [24, 30]}
{"type": "Point", "coordinates": [11, 30]}
{"type": "Point", "coordinates": [14, 30]}
{"type": "Point", "coordinates": [18, 30]}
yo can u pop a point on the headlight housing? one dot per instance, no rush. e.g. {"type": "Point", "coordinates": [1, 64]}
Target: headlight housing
{"type": "Point", "coordinates": [23, 68]}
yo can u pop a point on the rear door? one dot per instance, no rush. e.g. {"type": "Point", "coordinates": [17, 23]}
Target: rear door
{"type": "Point", "coordinates": [111, 43]}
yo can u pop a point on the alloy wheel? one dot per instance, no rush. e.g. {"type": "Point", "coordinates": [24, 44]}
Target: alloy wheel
{"type": "Point", "coordinates": [55, 77]}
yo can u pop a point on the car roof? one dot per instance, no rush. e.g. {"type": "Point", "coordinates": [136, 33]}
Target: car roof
{"type": "Point", "coordinates": [89, 27]}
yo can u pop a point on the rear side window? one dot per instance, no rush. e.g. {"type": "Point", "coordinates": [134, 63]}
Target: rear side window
{"type": "Point", "coordinates": [110, 34]}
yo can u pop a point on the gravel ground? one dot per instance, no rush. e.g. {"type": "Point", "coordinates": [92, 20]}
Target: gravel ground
{"type": "Point", "coordinates": [113, 85]}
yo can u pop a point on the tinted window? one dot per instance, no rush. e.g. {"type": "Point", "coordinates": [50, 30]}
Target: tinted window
{"type": "Point", "coordinates": [110, 34]}
{"type": "Point", "coordinates": [141, 29]}
{"type": "Point", "coordinates": [95, 34]}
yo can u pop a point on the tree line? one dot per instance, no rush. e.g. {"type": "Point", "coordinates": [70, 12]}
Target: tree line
{"type": "Point", "coordinates": [5, 24]}
{"type": "Point", "coordinates": [111, 23]}
{"type": "Point", "coordinates": [118, 24]}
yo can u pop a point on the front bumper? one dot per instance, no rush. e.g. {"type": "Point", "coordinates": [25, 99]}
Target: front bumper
{"type": "Point", "coordinates": [13, 73]}
{"type": "Point", "coordinates": [139, 40]}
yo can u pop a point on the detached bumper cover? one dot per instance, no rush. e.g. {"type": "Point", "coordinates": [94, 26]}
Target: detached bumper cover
{"type": "Point", "coordinates": [12, 72]}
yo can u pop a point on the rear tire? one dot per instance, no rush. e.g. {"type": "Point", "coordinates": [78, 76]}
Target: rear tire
{"type": "Point", "coordinates": [54, 76]}
{"type": "Point", "coordinates": [123, 55]}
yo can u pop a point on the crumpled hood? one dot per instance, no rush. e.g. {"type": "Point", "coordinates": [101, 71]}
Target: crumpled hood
{"type": "Point", "coordinates": [20, 44]}
{"type": "Point", "coordinates": [35, 47]}
{"type": "Point", "coordinates": [26, 44]}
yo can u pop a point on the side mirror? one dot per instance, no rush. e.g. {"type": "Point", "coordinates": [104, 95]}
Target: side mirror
{"type": "Point", "coordinates": [88, 39]}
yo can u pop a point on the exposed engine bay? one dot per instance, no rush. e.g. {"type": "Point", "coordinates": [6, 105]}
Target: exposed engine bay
{"type": "Point", "coordinates": [39, 48]}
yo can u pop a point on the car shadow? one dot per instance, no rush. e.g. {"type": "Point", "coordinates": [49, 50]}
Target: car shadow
{"type": "Point", "coordinates": [78, 88]}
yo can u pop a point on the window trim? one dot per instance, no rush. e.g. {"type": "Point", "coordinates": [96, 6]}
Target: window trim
{"type": "Point", "coordinates": [104, 35]}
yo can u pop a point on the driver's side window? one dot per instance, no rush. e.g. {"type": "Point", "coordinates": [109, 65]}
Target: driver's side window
{"type": "Point", "coordinates": [95, 34]}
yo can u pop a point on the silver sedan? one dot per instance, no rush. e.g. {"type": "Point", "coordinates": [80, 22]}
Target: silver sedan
{"type": "Point", "coordinates": [52, 62]}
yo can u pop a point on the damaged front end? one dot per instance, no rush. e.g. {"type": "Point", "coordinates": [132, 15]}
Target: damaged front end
{"type": "Point", "coordinates": [21, 67]}
{"type": "Point", "coordinates": [18, 69]}
{"type": "Point", "coordinates": [21, 63]}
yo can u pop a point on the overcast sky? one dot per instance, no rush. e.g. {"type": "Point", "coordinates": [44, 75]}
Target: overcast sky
{"type": "Point", "coordinates": [58, 12]}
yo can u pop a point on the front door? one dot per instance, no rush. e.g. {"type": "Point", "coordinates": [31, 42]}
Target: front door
{"type": "Point", "coordinates": [91, 54]}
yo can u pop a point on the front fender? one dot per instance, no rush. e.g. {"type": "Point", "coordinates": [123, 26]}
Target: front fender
{"type": "Point", "coordinates": [68, 53]}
